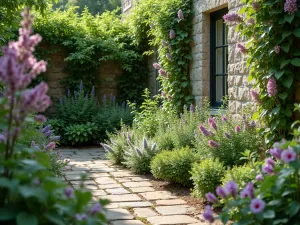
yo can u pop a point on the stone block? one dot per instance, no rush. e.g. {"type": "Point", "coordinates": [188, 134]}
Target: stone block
{"type": "Point", "coordinates": [170, 220]}
{"type": "Point", "coordinates": [144, 212]}
{"type": "Point", "coordinates": [124, 198]}
{"type": "Point", "coordinates": [127, 222]}
{"type": "Point", "coordinates": [174, 210]}
{"type": "Point", "coordinates": [118, 214]}
{"type": "Point", "coordinates": [157, 195]}
{"type": "Point", "coordinates": [138, 184]}
{"type": "Point", "coordinates": [117, 191]}
{"type": "Point", "coordinates": [171, 202]}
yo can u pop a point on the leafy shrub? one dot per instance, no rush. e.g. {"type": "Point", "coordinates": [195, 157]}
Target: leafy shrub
{"type": "Point", "coordinates": [206, 176]}
{"type": "Point", "coordinates": [29, 192]}
{"type": "Point", "coordinates": [240, 174]}
{"type": "Point", "coordinates": [174, 166]}
{"type": "Point", "coordinates": [226, 138]}
{"type": "Point", "coordinates": [81, 133]}
{"type": "Point", "coordinates": [138, 157]}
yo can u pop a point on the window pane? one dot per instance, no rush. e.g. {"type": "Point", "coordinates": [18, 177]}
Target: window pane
{"type": "Point", "coordinates": [219, 61]}
{"type": "Point", "coordinates": [219, 32]}
{"type": "Point", "coordinates": [226, 85]}
{"type": "Point", "coordinates": [219, 88]}
{"type": "Point", "coordinates": [226, 34]}
{"type": "Point", "coordinates": [226, 59]}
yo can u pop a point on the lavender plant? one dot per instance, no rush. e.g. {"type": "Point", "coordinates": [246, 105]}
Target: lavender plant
{"type": "Point", "coordinates": [29, 194]}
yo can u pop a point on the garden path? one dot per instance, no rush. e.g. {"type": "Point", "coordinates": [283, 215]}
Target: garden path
{"type": "Point", "coordinates": [134, 201]}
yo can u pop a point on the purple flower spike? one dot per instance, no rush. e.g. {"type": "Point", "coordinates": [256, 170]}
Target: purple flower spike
{"type": "Point", "coordinates": [172, 34]}
{"type": "Point", "coordinates": [212, 123]}
{"type": "Point", "coordinates": [290, 6]}
{"type": "Point", "coordinates": [213, 144]}
{"type": "Point", "coordinates": [221, 192]}
{"type": "Point", "coordinates": [272, 87]}
{"type": "Point", "coordinates": [211, 197]}
{"type": "Point", "coordinates": [169, 57]}
{"type": "Point", "coordinates": [69, 192]}
{"type": "Point", "coordinates": [203, 130]}
{"type": "Point", "coordinates": [123, 104]}
{"type": "Point", "coordinates": [192, 108]}
{"type": "Point", "coordinates": [288, 155]}
{"type": "Point", "coordinates": [257, 205]}
{"type": "Point", "coordinates": [180, 14]}
{"type": "Point", "coordinates": [248, 191]}
{"type": "Point", "coordinates": [231, 188]}
{"type": "Point", "coordinates": [237, 129]}
{"type": "Point", "coordinates": [208, 214]}
{"type": "Point", "coordinates": [164, 43]}
{"type": "Point", "coordinates": [46, 129]}
{"type": "Point", "coordinates": [61, 101]}
{"type": "Point", "coordinates": [224, 119]}
{"type": "Point", "coordinates": [95, 209]}
{"type": "Point", "coordinates": [162, 72]}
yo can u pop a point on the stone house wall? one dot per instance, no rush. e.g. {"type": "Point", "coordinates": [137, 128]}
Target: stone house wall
{"type": "Point", "coordinates": [106, 80]}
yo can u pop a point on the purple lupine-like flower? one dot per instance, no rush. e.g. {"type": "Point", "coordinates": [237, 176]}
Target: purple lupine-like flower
{"type": "Point", "coordinates": [169, 56]}
{"type": "Point", "coordinates": [237, 129]}
{"type": "Point", "coordinates": [267, 168]}
{"type": "Point", "coordinates": [211, 197]}
{"type": "Point", "coordinates": [231, 188]}
{"type": "Point", "coordinates": [40, 118]}
{"type": "Point", "coordinates": [224, 119]}
{"type": "Point", "coordinates": [81, 86]}
{"type": "Point", "coordinates": [123, 104]}
{"type": "Point", "coordinates": [250, 22]}
{"type": "Point", "coordinates": [156, 66]}
{"type": "Point", "coordinates": [208, 214]}
{"type": "Point", "coordinates": [255, 6]}
{"type": "Point", "coordinates": [277, 49]}
{"type": "Point", "coordinates": [259, 177]}
{"type": "Point", "coordinates": [81, 216]}
{"type": "Point", "coordinates": [164, 43]}
{"type": "Point", "coordinates": [288, 155]}
{"type": "Point", "coordinates": [242, 48]}
{"type": "Point", "coordinates": [46, 129]}
{"type": "Point", "coordinates": [49, 133]}
{"type": "Point", "coordinates": [203, 130]}
{"type": "Point", "coordinates": [270, 161]}
{"type": "Point", "coordinates": [228, 136]}
{"type": "Point", "coordinates": [272, 87]}
{"type": "Point", "coordinates": [250, 189]}
{"type": "Point", "coordinates": [192, 108]}
{"type": "Point", "coordinates": [221, 192]}
{"type": "Point", "coordinates": [95, 209]}
{"type": "Point", "coordinates": [145, 143]}
{"type": "Point", "coordinates": [93, 91]}
{"type": "Point", "coordinates": [180, 14]}
{"type": "Point", "coordinates": [232, 18]}
{"type": "Point", "coordinates": [255, 96]}
{"type": "Point", "coordinates": [213, 144]}
{"type": "Point", "coordinates": [257, 205]}
{"type": "Point", "coordinates": [290, 6]}
{"type": "Point", "coordinates": [212, 123]}
{"type": "Point", "coordinates": [172, 34]}
{"type": "Point", "coordinates": [69, 192]}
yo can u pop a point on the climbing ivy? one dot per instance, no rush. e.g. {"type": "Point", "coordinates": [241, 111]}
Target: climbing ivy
{"type": "Point", "coordinates": [273, 35]}
{"type": "Point", "coordinates": [167, 25]}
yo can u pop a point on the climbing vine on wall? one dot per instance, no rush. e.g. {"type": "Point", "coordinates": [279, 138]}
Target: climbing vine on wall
{"type": "Point", "coordinates": [168, 25]}
{"type": "Point", "coordinates": [273, 45]}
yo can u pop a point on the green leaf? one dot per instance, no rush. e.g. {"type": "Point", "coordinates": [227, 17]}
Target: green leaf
{"type": "Point", "coordinates": [224, 217]}
{"type": "Point", "coordinates": [288, 82]}
{"type": "Point", "coordinates": [297, 32]}
{"type": "Point", "coordinates": [284, 63]}
{"type": "Point", "coordinates": [294, 208]}
{"type": "Point", "coordinates": [278, 74]}
{"type": "Point", "coordinates": [289, 18]}
{"type": "Point", "coordinates": [269, 214]}
{"type": "Point", "coordinates": [55, 218]}
{"type": "Point", "coordinates": [8, 213]}
{"type": "Point", "coordinates": [295, 61]}
{"type": "Point", "coordinates": [283, 95]}
{"type": "Point", "coordinates": [285, 47]}
{"type": "Point", "coordinates": [286, 34]}
{"type": "Point", "coordinates": [288, 112]}
{"type": "Point", "coordinates": [25, 218]}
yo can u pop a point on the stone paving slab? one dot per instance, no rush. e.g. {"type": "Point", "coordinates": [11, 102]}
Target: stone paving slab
{"type": "Point", "coordinates": [109, 186]}
{"type": "Point", "coordinates": [170, 220]}
{"type": "Point", "coordinates": [142, 189]}
{"type": "Point", "coordinates": [144, 212]}
{"type": "Point", "coordinates": [118, 214]}
{"type": "Point", "coordinates": [138, 184]}
{"type": "Point", "coordinates": [105, 180]}
{"type": "Point", "coordinates": [124, 198]}
{"type": "Point", "coordinates": [129, 204]}
{"type": "Point", "coordinates": [174, 210]}
{"type": "Point", "coordinates": [157, 195]}
{"type": "Point", "coordinates": [117, 191]}
{"type": "Point", "coordinates": [171, 202]}
{"type": "Point", "coordinates": [127, 222]}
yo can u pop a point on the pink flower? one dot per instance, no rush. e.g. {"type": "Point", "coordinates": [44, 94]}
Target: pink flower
{"type": "Point", "coordinates": [257, 205]}
{"type": "Point", "coordinates": [211, 197]}
{"type": "Point", "coordinates": [268, 169]}
{"type": "Point", "coordinates": [212, 123]}
{"type": "Point", "coordinates": [180, 14]}
{"type": "Point", "coordinates": [172, 34]}
{"type": "Point", "coordinates": [40, 118]}
{"type": "Point", "coordinates": [272, 87]}
{"type": "Point", "coordinates": [245, 193]}
{"type": "Point", "coordinates": [224, 119]}
{"type": "Point", "coordinates": [255, 6]}
{"type": "Point", "coordinates": [232, 18]}
{"type": "Point", "coordinates": [259, 177]}
{"type": "Point", "coordinates": [237, 129]}
{"type": "Point", "coordinates": [276, 152]}
{"type": "Point", "coordinates": [255, 96]}
{"type": "Point", "coordinates": [242, 48]}
{"type": "Point", "coordinates": [288, 155]}
{"type": "Point", "coordinates": [208, 214]}
{"type": "Point", "coordinates": [203, 130]}
{"type": "Point", "coordinates": [221, 192]}
{"type": "Point", "coordinates": [162, 72]}
{"type": "Point", "coordinates": [213, 144]}
{"type": "Point", "coordinates": [270, 162]}
{"type": "Point", "coordinates": [290, 6]}
{"type": "Point", "coordinates": [231, 188]}
{"type": "Point", "coordinates": [156, 66]}
{"type": "Point", "coordinates": [277, 49]}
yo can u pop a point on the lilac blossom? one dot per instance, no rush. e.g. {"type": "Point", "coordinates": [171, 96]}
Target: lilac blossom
{"type": "Point", "coordinates": [208, 214]}
{"type": "Point", "coordinates": [212, 123]}
{"type": "Point", "coordinates": [252, 124]}
{"type": "Point", "coordinates": [232, 18]}
{"type": "Point", "coordinates": [288, 155]}
{"type": "Point", "coordinates": [211, 197]}
{"type": "Point", "coordinates": [95, 209]}
{"type": "Point", "coordinates": [255, 96]}
{"type": "Point", "coordinates": [257, 205]}
{"type": "Point", "coordinates": [50, 146]}
{"type": "Point", "coordinates": [156, 66]}
{"type": "Point", "coordinates": [242, 48]}
{"type": "Point", "coordinates": [69, 192]}
{"type": "Point", "coordinates": [180, 14]}
{"type": "Point", "coordinates": [203, 130]}
{"type": "Point", "coordinates": [231, 188]}
{"type": "Point", "coordinates": [172, 34]}
{"type": "Point", "coordinates": [221, 192]}
{"type": "Point", "coordinates": [272, 87]}
{"type": "Point", "coordinates": [290, 6]}
{"type": "Point", "coordinates": [213, 144]}
{"type": "Point", "coordinates": [259, 177]}
{"type": "Point", "coordinates": [277, 49]}
{"type": "Point", "coordinates": [46, 129]}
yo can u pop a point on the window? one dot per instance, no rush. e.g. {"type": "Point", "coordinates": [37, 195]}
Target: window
{"type": "Point", "coordinates": [219, 58]}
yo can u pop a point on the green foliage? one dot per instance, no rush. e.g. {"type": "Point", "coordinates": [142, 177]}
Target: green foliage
{"type": "Point", "coordinates": [206, 176]}
{"type": "Point", "coordinates": [174, 166]}
{"type": "Point", "coordinates": [232, 136]}
{"type": "Point", "coordinates": [81, 133]}
{"type": "Point", "coordinates": [162, 17]}
{"type": "Point", "coordinates": [276, 112]}
{"type": "Point", "coordinates": [242, 175]}
{"type": "Point", "coordinates": [139, 156]}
